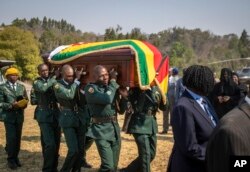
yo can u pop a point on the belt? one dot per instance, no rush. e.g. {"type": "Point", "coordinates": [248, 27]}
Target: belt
{"type": "Point", "coordinates": [106, 119]}
{"type": "Point", "coordinates": [150, 112]}
{"type": "Point", "coordinates": [75, 108]}
{"type": "Point", "coordinates": [49, 106]}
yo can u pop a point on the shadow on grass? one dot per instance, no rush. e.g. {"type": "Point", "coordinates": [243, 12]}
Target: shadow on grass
{"type": "Point", "coordinates": [31, 138]}
{"type": "Point", "coordinates": [31, 161]}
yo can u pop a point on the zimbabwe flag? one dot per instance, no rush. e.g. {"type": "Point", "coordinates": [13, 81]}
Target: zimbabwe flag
{"type": "Point", "coordinates": [150, 65]}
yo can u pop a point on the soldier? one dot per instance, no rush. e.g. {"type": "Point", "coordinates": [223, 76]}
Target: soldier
{"type": "Point", "coordinates": [71, 121]}
{"type": "Point", "coordinates": [15, 100]}
{"type": "Point", "coordinates": [101, 97]}
{"type": "Point", "coordinates": [143, 125]}
{"type": "Point", "coordinates": [83, 108]}
{"type": "Point", "coordinates": [46, 114]}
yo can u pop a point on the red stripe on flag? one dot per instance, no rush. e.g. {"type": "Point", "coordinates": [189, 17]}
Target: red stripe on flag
{"type": "Point", "coordinates": [157, 54]}
{"type": "Point", "coordinates": [163, 71]}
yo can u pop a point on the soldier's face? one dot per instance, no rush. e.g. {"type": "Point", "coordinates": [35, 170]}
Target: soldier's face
{"type": "Point", "coordinates": [103, 76]}
{"type": "Point", "coordinates": [12, 78]}
{"type": "Point", "coordinates": [44, 71]}
{"type": "Point", "coordinates": [68, 76]}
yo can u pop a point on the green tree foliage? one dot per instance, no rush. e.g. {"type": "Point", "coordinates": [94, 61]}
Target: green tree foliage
{"type": "Point", "coordinates": [244, 45]}
{"type": "Point", "coordinates": [21, 46]}
{"type": "Point", "coordinates": [115, 34]}
{"type": "Point", "coordinates": [184, 46]}
{"type": "Point", "coordinates": [180, 55]}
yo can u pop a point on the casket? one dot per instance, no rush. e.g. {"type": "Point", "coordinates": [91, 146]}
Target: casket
{"type": "Point", "coordinates": [120, 60]}
{"type": "Point", "coordinates": [138, 63]}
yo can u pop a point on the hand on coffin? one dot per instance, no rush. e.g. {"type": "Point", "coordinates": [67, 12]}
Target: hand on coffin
{"type": "Point", "coordinates": [113, 74]}
{"type": "Point", "coordinates": [57, 73]}
{"type": "Point", "coordinates": [78, 73]}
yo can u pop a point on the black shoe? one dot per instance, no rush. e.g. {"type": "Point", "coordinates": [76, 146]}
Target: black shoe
{"type": "Point", "coordinates": [18, 163]}
{"type": "Point", "coordinates": [164, 132]}
{"type": "Point", "coordinates": [122, 170]}
{"type": "Point", "coordinates": [12, 165]}
{"type": "Point", "coordinates": [86, 165]}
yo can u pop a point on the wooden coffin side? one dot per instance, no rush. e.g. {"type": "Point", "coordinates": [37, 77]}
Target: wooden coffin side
{"type": "Point", "coordinates": [122, 60]}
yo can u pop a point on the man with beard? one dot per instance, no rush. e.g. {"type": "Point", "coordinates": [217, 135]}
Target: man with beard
{"type": "Point", "coordinates": [226, 93]}
{"type": "Point", "coordinates": [71, 121]}
{"type": "Point", "coordinates": [47, 114]}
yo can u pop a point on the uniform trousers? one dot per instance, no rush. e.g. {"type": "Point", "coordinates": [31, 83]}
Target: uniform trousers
{"type": "Point", "coordinates": [13, 140]}
{"type": "Point", "coordinates": [146, 144]}
{"type": "Point", "coordinates": [50, 140]}
{"type": "Point", "coordinates": [109, 152]}
{"type": "Point", "coordinates": [74, 137]}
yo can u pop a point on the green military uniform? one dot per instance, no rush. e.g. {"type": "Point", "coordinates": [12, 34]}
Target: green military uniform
{"type": "Point", "coordinates": [143, 126]}
{"type": "Point", "coordinates": [1, 106]}
{"type": "Point", "coordinates": [46, 114]}
{"type": "Point", "coordinates": [83, 108]}
{"type": "Point", "coordinates": [72, 123]}
{"type": "Point", "coordinates": [104, 128]}
{"type": "Point", "coordinates": [13, 118]}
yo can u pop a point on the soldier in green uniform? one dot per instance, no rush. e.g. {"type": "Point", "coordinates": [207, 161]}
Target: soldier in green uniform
{"type": "Point", "coordinates": [14, 102]}
{"type": "Point", "coordinates": [104, 128]}
{"type": "Point", "coordinates": [70, 119]}
{"type": "Point", "coordinates": [83, 108]}
{"type": "Point", "coordinates": [46, 114]}
{"type": "Point", "coordinates": [143, 125]}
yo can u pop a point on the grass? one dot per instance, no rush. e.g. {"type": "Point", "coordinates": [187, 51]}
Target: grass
{"type": "Point", "coordinates": [31, 156]}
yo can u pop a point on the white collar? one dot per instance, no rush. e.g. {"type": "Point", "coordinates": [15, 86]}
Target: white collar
{"type": "Point", "coordinates": [15, 84]}
{"type": "Point", "coordinates": [247, 99]}
{"type": "Point", "coordinates": [65, 82]}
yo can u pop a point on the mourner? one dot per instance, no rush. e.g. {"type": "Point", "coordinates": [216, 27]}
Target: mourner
{"type": "Point", "coordinates": [193, 121]}
{"type": "Point", "coordinates": [226, 94]}
{"type": "Point", "coordinates": [230, 138]}
{"type": "Point", "coordinates": [47, 114]}
{"type": "Point", "coordinates": [71, 121]}
{"type": "Point", "coordinates": [15, 100]}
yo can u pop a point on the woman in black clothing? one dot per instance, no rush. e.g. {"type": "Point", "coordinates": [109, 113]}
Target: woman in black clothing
{"type": "Point", "coordinates": [243, 87]}
{"type": "Point", "coordinates": [226, 93]}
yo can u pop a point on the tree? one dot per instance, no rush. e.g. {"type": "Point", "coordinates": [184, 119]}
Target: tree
{"type": "Point", "coordinates": [21, 46]}
{"type": "Point", "coordinates": [244, 45]}
{"type": "Point", "coordinates": [137, 34]}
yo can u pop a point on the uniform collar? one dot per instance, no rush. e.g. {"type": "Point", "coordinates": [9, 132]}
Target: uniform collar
{"type": "Point", "coordinates": [247, 99]}
{"type": "Point", "coordinates": [65, 82]}
{"type": "Point", "coordinates": [15, 84]}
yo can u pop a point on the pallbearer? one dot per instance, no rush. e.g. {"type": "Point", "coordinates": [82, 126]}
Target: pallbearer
{"type": "Point", "coordinates": [101, 98]}
{"type": "Point", "coordinates": [47, 114]}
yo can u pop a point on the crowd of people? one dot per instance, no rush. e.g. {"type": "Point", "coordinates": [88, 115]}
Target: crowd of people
{"type": "Point", "coordinates": [210, 119]}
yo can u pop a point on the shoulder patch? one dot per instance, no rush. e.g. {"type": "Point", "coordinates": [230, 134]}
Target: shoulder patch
{"type": "Point", "coordinates": [56, 86]}
{"type": "Point", "coordinates": [91, 90]}
{"type": "Point", "coordinates": [108, 92]}
{"type": "Point", "coordinates": [157, 92]}
{"type": "Point", "coordinates": [35, 81]}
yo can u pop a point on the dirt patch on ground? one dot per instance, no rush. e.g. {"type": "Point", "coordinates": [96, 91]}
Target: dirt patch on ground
{"type": "Point", "coordinates": [31, 156]}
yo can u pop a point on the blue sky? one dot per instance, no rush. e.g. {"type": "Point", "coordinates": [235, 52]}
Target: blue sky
{"type": "Point", "coordinates": [151, 16]}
